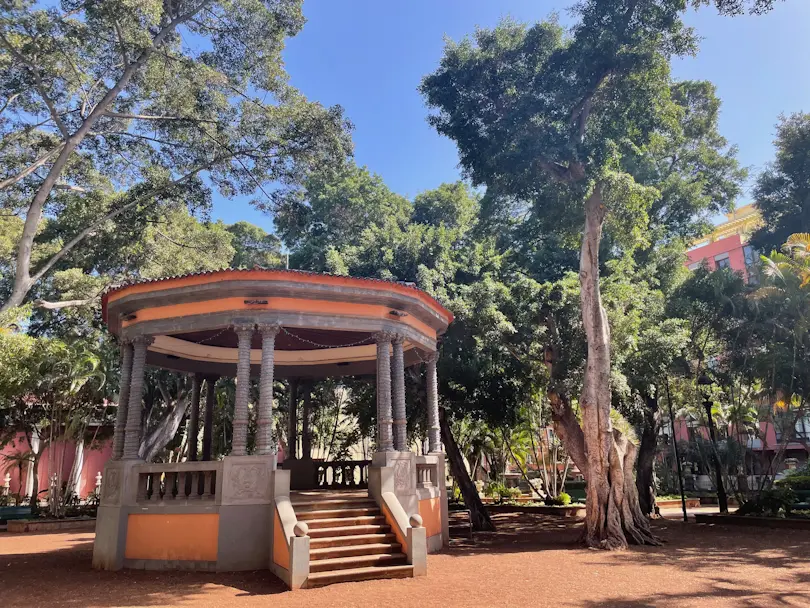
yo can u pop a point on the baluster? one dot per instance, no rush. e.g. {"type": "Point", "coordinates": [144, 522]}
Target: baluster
{"type": "Point", "coordinates": [171, 482]}
{"type": "Point", "coordinates": [196, 480]}
{"type": "Point", "coordinates": [143, 480]}
{"type": "Point", "coordinates": [207, 478]}
{"type": "Point", "coordinates": [155, 481]}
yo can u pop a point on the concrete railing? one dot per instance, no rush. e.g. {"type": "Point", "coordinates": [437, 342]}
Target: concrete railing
{"type": "Point", "coordinates": [289, 559]}
{"type": "Point", "coordinates": [427, 472]}
{"type": "Point", "coordinates": [179, 482]}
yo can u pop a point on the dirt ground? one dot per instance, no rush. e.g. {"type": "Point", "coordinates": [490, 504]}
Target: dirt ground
{"type": "Point", "coordinates": [531, 561]}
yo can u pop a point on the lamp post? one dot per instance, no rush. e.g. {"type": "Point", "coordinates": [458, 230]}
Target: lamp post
{"type": "Point", "coordinates": [705, 382]}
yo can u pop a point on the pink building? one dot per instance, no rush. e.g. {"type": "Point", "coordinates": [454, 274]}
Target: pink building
{"type": "Point", "coordinates": [92, 458]}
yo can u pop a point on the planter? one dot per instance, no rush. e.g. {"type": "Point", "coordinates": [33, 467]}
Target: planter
{"type": "Point", "coordinates": [19, 526]}
{"type": "Point", "coordinates": [569, 511]}
{"type": "Point", "coordinates": [691, 503]}
{"type": "Point", "coordinates": [756, 521]}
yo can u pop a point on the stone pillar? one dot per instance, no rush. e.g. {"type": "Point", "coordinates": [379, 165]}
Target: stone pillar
{"type": "Point", "coordinates": [306, 438]}
{"type": "Point", "coordinates": [434, 431]}
{"type": "Point", "coordinates": [264, 437]}
{"type": "Point", "coordinates": [292, 420]}
{"type": "Point", "coordinates": [398, 389]}
{"type": "Point", "coordinates": [123, 399]}
{"type": "Point", "coordinates": [240, 414]}
{"type": "Point", "coordinates": [132, 437]}
{"type": "Point", "coordinates": [208, 423]}
{"type": "Point", "coordinates": [384, 435]}
{"type": "Point", "coordinates": [194, 417]}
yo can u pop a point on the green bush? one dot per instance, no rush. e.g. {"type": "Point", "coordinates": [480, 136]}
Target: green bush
{"type": "Point", "coordinates": [501, 492]}
{"type": "Point", "coordinates": [561, 500]}
{"type": "Point", "coordinates": [771, 501]}
{"type": "Point", "coordinates": [795, 482]}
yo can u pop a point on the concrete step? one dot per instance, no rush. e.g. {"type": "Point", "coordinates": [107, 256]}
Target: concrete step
{"type": "Point", "coordinates": [347, 541]}
{"type": "Point", "coordinates": [353, 550]}
{"type": "Point", "coordinates": [333, 503]}
{"type": "Point", "coordinates": [358, 561]}
{"type": "Point", "coordinates": [348, 530]}
{"type": "Point", "coordinates": [319, 579]}
{"type": "Point", "coordinates": [332, 522]}
{"type": "Point", "coordinates": [306, 515]}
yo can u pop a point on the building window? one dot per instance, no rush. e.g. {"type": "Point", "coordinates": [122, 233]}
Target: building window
{"type": "Point", "coordinates": [694, 266]}
{"type": "Point", "coordinates": [722, 261]}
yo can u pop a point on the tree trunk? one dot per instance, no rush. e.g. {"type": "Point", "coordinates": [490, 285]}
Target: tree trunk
{"type": "Point", "coordinates": [612, 511]}
{"type": "Point", "coordinates": [645, 482]}
{"type": "Point", "coordinates": [35, 485]}
{"type": "Point", "coordinates": [480, 516]}
{"type": "Point", "coordinates": [164, 432]}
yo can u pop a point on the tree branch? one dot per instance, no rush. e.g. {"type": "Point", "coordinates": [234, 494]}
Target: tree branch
{"type": "Point", "coordinates": [29, 169]}
{"type": "Point", "coordinates": [64, 303]}
{"type": "Point", "coordinates": [68, 247]}
{"type": "Point", "coordinates": [156, 117]}
{"type": "Point", "coordinates": [40, 87]}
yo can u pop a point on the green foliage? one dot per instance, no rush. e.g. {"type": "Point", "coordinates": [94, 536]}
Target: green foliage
{"type": "Point", "coordinates": [499, 491]}
{"type": "Point", "coordinates": [138, 123]}
{"type": "Point", "coordinates": [782, 189]}
{"type": "Point", "coordinates": [773, 501]}
{"type": "Point", "coordinates": [795, 482]}
{"type": "Point", "coordinates": [561, 500]}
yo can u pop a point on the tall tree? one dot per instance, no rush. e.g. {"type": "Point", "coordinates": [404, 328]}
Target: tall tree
{"type": "Point", "coordinates": [782, 191]}
{"type": "Point", "coordinates": [107, 115]}
{"type": "Point", "coordinates": [541, 116]}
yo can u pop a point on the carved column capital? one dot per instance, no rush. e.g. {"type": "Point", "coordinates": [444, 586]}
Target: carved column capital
{"type": "Point", "coordinates": [432, 357]}
{"type": "Point", "coordinates": [241, 329]}
{"type": "Point", "coordinates": [144, 340]}
{"type": "Point", "coordinates": [268, 330]}
{"type": "Point", "coordinates": [384, 337]}
{"type": "Point", "coordinates": [398, 339]}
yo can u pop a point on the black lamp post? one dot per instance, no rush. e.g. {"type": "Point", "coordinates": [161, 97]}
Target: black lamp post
{"type": "Point", "coordinates": [704, 382]}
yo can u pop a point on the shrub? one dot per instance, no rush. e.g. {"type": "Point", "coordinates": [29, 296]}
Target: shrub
{"type": "Point", "coordinates": [771, 501]}
{"type": "Point", "coordinates": [494, 489]}
{"type": "Point", "coordinates": [561, 500]}
{"type": "Point", "coordinates": [795, 482]}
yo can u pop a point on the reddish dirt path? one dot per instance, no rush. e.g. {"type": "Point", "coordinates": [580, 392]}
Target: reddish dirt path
{"type": "Point", "coordinates": [531, 561]}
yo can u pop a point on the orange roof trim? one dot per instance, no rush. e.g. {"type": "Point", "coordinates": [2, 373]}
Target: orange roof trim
{"type": "Point", "coordinates": [237, 274]}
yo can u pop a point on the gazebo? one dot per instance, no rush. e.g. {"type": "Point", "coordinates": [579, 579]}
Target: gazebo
{"type": "Point", "coordinates": [243, 512]}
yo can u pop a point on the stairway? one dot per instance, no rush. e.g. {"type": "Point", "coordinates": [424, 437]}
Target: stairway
{"type": "Point", "coordinates": [349, 539]}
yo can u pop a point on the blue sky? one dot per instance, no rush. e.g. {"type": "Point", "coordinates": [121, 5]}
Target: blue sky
{"type": "Point", "coordinates": [370, 55]}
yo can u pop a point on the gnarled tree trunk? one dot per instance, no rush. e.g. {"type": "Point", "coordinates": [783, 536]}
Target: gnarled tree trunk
{"type": "Point", "coordinates": [612, 511]}
{"type": "Point", "coordinates": [478, 513]}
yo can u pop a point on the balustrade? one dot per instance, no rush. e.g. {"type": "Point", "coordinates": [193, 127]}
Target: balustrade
{"type": "Point", "coordinates": [185, 481]}
{"type": "Point", "coordinates": [427, 472]}
{"type": "Point", "coordinates": [342, 474]}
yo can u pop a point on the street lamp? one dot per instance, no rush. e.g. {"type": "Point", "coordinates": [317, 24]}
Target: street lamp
{"type": "Point", "coordinates": [705, 382]}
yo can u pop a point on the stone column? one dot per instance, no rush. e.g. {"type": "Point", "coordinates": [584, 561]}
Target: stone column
{"type": "Point", "coordinates": [123, 399]}
{"type": "Point", "coordinates": [292, 420]}
{"type": "Point", "coordinates": [398, 389]}
{"type": "Point", "coordinates": [434, 431]}
{"type": "Point", "coordinates": [132, 437]}
{"type": "Point", "coordinates": [264, 438]}
{"type": "Point", "coordinates": [194, 417]}
{"type": "Point", "coordinates": [384, 435]}
{"type": "Point", "coordinates": [240, 413]}
{"type": "Point", "coordinates": [208, 423]}
{"type": "Point", "coordinates": [306, 438]}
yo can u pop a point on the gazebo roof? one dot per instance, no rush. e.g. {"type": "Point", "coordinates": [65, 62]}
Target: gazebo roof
{"type": "Point", "coordinates": [328, 321]}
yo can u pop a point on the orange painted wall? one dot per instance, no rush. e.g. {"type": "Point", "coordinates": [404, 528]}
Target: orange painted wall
{"type": "Point", "coordinates": [430, 510]}
{"type": "Point", "coordinates": [281, 552]}
{"type": "Point", "coordinates": [192, 537]}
